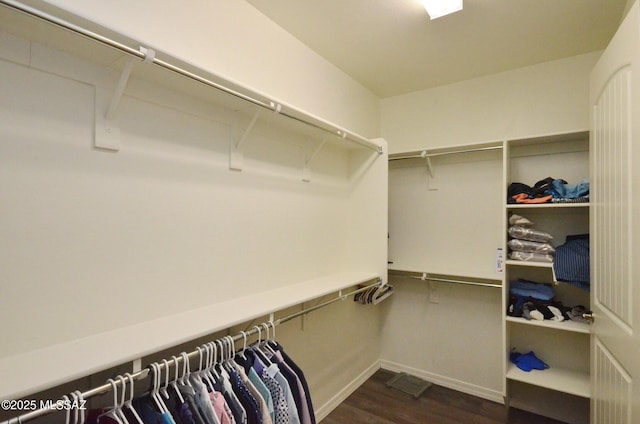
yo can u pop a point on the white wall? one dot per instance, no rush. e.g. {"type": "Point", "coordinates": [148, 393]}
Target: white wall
{"type": "Point", "coordinates": [457, 339]}
{"type": "Point", "coordinates": [543, 99]}
{"type": "Point", "coordinates": [234, 40]}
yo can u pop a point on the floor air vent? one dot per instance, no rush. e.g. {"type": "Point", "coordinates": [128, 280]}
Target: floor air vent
{"type": "Point", "coordinates": [408, 384]}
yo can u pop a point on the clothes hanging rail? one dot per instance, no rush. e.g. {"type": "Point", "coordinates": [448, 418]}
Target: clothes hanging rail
{"type": "Point", "coordinates": [177, 360]}
{"type": "Point", "coordinates": [142, 53]}
{"type": "Point", "coordinates": [443, 278]}
{"type": "Point", "coordinates": [426, 154]}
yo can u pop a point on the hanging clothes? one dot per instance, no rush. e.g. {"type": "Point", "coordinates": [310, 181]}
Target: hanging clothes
{"type": "Point", "coordinates": [262, 385]}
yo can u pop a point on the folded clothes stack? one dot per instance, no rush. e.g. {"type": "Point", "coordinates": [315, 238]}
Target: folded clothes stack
{"type": "Point", "coordinates": [535, 301]}
{"type": "Point", "coordinates": [549, 190]}
{"type": "Point", "coordinates": [528, 244]}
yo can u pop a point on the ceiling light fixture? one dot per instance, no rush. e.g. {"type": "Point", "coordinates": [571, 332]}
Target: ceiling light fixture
{"type": "Point", "coordinates": [438, 8]}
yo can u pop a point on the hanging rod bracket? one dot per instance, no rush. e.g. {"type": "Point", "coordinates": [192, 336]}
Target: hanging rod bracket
{"type": "Point", "coordinates": [277, 107]}
{"type": "Point", "coordinates": [236, 152]}
{"type": "Point", "coordinates": [149, 54]}
{"type": "Point", "coordinates": [107, 130]}
{"type": "Point", "coordinates": [432, 181]}
{"type": "Point", "coordinates": [306, 169]}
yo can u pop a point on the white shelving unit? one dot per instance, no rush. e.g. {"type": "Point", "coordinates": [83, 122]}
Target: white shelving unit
{"type": "Point", "coordinates": [564, 346]}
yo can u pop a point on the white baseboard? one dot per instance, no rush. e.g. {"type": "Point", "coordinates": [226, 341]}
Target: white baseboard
{"type": "Point", "coordinates": [343, 394]}
{"type": "Point", "coordinates": [461, 386]}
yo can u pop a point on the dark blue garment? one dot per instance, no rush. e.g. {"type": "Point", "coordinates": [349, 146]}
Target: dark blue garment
{"type": "Point", "coordinates": [292, 380]}
{"type": "Point", "coordinates": [571, 264]}
{"type": "Point", "coordinates": [184, 415]}
{"type": "Point", "coordinates": [300, 375]}
{"type": "Point", "coordinates": [246, 398]}
{"type": "Point", "coordinates": [145, 407]}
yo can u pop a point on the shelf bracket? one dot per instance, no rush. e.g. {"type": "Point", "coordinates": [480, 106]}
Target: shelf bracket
{"type": "Point", "coordinates": [306, 169]}
{"type": "Point", "coordinates": [432, 182]}
{"type": "Point", "coordinates": [107, 130]}
{"type": "Point", "coordinates": [236, 153]}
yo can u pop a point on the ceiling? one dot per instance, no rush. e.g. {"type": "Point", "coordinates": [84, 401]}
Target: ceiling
{"type": "Point", "coordinates": [392, 47]}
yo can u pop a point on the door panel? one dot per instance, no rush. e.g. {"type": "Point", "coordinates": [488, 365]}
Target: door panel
{"type": "Point", "coordinates": [614, 403]}
{"type": "Point", "coordinates": [611, 207]}
{"type": "Point", "coordinates": [615, 220]}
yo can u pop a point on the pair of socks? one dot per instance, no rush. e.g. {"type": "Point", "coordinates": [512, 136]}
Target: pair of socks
{"type": "Point", "coordinates": [557, 313]}
{"type": "Point", "coordinates": [527, 362]}
{"type": "Point", "coordinates": [530, 312]}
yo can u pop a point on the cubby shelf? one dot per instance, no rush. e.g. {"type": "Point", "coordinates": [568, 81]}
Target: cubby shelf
{"type": "Point", "coordinates": [547, 205]}
{"type": "Point", "coordinates": [559, 379]}
{"type": "Point", "coordinates": [577, 327]}
{"type": "Point", "coordinates": [530, 263]}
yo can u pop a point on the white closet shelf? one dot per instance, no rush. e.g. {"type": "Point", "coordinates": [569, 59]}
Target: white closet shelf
{"type": "Point", "coordinates": [547, 205]}
{"type": "Point", "coordinates": [530, 263]}
{"type": "Point", "coordinates": [574, 326]}
{"type": "Point", "coordinates": [561, 379]}
{"type": "Point", "coordinates": [54, 365]}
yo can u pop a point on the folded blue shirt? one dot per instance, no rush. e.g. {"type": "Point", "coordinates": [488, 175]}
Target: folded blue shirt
{"type": "Point", "coordinates": [561, 190]}
{"type": "Point", "coordinates": [530, 289]}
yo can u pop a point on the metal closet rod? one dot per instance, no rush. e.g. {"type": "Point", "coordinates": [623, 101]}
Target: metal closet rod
{"type": "Point", "coordinates": [141, 54]}
{"type": "Point", "coordinates": [424, 276]}
{"type": "Point", "coordinates": [142, 374]}
{"type": "Point", "coordinates": [425, 153]}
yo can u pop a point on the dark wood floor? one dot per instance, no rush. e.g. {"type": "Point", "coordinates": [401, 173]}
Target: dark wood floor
{"type": "Point", "coordinates": [374, 403]}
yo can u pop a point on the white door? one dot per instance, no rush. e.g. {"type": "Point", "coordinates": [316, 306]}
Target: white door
{"type": "Point", "coordinates": [615, 228]}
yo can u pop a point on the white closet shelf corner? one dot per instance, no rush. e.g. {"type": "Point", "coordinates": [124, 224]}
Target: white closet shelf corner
{"type": "Point", "coordinates": [57, 364]}
{"type": "Point", "coordinates": [574, 326]}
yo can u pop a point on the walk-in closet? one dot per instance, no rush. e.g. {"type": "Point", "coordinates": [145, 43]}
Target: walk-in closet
{"type": "Point", "coordinates": [211, 215]}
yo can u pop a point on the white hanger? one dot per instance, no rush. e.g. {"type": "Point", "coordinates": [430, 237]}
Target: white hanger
{"type": "Point", "coordinates": [244, 344]}
{"type": "Point", "coordinates": [128, 403]}
{"type": "Point", "coordinates": [208, 364]}
{"type": "Point", "coordinates": [232, 347]}
{"type": "Point", "coordinates": [214, 361]}
{"type": "Point", "coordinates": [154, 384]}
{"type": "Point", "coordinates": [186, 369]}
{"type": "Point", "coordinates": [112, 412]}
{"type": "Point", "coordinates": [119, 410]}
{"type": "Point", "coordinates": [264, 356]}
{"type": "Point", "coordinates": [81, 405]}
{"type": "Point", "coordinates": [174, 382]}
{"type": "Point", "coordinates": [67, 420]}
{"type": "Point", "coordinates": [221, 346]}
{"type": "Point", "coordinates": [202, 368]}
{"type": "Point", "coordinates": [163, 389]}
{"type": "Point", "coordinates": [273, 324]}
{"type": "Point", "coordinates": [259, 333]}
{"type": "Point", "coordinates": [73, 402]}
{"type": "Point", "coordinates": [273, 338]}
{"type": "Point", "coordinates": [227, 343]}
{"type": "Point", "coordinates": [155, 391]}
